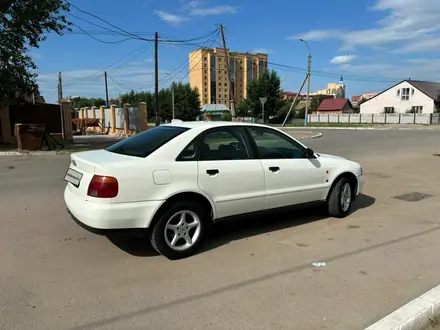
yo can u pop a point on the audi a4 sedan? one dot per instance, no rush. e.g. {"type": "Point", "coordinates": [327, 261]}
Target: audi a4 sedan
{"type": "Point", "coordinates": [177, 179]}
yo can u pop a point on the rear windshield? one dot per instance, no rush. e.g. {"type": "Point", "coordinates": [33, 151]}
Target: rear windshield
{"type": "Point", "coordinates": [143, 144]}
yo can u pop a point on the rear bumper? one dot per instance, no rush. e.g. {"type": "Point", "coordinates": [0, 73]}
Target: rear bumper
{"type": "Point", "coordinates": [111, 216]}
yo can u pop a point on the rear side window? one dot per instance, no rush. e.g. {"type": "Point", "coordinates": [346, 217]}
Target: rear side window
{"type": "Point", "coordinates": [143, 144]}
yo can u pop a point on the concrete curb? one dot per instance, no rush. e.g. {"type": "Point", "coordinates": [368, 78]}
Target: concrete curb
{"type": "Point", "coordinates": [316, 136]}
{"type": "Point", "coordinates": [415, 315]}
{"type": "Point", "coordinates": [339, 128]}
{"type": "Point", "coordinates": [363, 128]}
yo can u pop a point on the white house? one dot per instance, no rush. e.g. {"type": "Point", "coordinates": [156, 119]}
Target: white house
{"type": "Point", "coordinates": [407, 96]}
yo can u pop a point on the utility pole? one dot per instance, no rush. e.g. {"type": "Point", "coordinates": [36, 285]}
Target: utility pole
{"type": "Point", "coordinates": [294, 100]}
{"type": "Point", "coordinates": [231, 90]}
{"type": "Point", "coordinates": [309, 70]}
{"type": "Point", "coordinates": [60, 101]}
{"type": "Point", "coordinates": [156, 77]}
{"type": "Point", "coordinates": [172, 97]}
{"type": "Point", "coordinates": [60, 87]}
{"type": "Point", "coordinates": [106, 88]}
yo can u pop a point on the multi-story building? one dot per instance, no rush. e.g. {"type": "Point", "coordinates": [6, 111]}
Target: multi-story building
{"type": "Point", "coordinates": [365, 97]}
{"type": "Point", "coordinates": [208, 73]}
{"type": "Point", "coordinates": [335, 89]}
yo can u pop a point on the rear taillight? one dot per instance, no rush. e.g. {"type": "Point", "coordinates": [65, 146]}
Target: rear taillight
{"type": "Point", "coordinates": [103, 187]}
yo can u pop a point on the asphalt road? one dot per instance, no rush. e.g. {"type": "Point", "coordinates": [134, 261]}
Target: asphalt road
{"type": "Point", "coordinates": [254, 274]}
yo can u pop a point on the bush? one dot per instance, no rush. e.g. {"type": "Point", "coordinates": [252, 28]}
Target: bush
{"type": "Point", "coordinates": [227, 116]}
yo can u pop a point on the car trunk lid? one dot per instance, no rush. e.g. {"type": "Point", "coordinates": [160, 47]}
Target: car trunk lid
{"type": "Point", "coordinates": [84, 165]}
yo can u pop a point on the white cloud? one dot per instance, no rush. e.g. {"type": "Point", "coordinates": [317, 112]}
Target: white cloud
{"type": "Point", "coordinates": [418, 69]}
{"type": "Point", "coordinates": [341, 59]}
{"type": "Point", "coordinates": [316, 35]}
{"type": "Point", "coordinates": [420, 46]}
{"type": "Point", "coordinates": [170, 18]}
{"type": "Point", "coordinates": [194, 8]}
{"type": "Point", "coordinates": [405, 21]}
{"type": "Point", "coordinates": [219, 10]}
{"type": "Point", "coordinates": [262, 51]}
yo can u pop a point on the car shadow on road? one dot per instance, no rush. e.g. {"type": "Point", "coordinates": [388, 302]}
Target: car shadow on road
{"type": "Point", "coordinates": [227, 231]}
{"type": "Point", "coordinates": [138, 246]}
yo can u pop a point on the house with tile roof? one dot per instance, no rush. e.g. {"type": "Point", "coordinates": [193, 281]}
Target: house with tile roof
{"type": "Point", "coordinates": [335, 106]}
{"type": "Point", "coordinates": [407, 96]}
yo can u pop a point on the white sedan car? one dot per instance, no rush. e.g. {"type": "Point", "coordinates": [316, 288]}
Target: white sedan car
{"type": "Point", "coordinates": [177, 179]}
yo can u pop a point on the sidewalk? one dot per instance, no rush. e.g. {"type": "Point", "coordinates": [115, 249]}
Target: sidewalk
{"type": "Point", "coordinates": [301, 135]}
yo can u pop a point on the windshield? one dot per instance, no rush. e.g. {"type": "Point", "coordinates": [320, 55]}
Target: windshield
{"type": "Point", "coordinates": [143, 144]}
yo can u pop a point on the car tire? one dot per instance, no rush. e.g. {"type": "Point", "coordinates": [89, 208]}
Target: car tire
{"type": "Point", "coordinates": [175, 238]}
{"type": "Point", "coordinates": [339, 203]}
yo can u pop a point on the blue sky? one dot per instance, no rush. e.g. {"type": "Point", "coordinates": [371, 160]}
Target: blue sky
{"type": "Point", "coordinates": [373, 43]}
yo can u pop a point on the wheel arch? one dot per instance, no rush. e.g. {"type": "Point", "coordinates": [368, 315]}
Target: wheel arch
{"type": "Point", "coordinates": [203, 200]}
{"type": "Point", "coordinates": [352, 179]}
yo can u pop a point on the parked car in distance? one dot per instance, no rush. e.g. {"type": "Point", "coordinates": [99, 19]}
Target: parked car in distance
{"type": "Point", "coordinates": [177, 179]}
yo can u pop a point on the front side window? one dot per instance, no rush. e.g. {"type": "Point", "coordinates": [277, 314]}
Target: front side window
{"type": "Point", "coordinates": [145, 143]}
{"type": "Point", "coordinates": [223, 144]}
{"type": "Point", "coordinates": [274, 145]}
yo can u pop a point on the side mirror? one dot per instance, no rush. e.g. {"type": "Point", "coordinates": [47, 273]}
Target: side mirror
{"type": "Point", "coordinates": [310, 153]}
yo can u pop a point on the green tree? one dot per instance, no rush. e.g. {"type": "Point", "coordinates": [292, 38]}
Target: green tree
{"type": "Point", "coordinates": [186, 102]}
{"type": "Point", "coordinates": [84, 102]}
{"type": "Point", "coordinates": [269, 86]}
{"type": "Point", "coordinates": [227, 116]}
{"type": "Point", "coordinates": [437, 104]}
{"type": "Point", "coordinates": [242, 108]}
{"type": "Point", "coordinates": [362, 100]}
{"type": "Point", "coordinates": [23, 25]}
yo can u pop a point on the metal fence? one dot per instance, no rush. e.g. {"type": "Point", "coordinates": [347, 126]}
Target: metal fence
{"type": "Point", "coordinates": [369, 118]}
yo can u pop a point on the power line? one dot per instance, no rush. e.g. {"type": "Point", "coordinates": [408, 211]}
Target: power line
{"type": "Point", "coordinates": [214, 36]}
{"type": "Point", "coordinates": [112, 25]}
{"type": "Point", "coordinates": [119, 64]}
{"type": "Point", "coordinates": [135, 55]}
{"type": "Point", "coordinates": [127, 33]}
{"type": "Point", "coordinates": [121, 85]}
{"type": "Point", "coordinates": [336, 75]}
{"type": "Point", "coordinates": [94, 24]}
{"type": "Point", "coordinates": [100, 40]}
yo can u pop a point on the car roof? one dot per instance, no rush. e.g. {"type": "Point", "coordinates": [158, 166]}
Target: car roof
{"type": "Point", "coordinates": [209, 124]}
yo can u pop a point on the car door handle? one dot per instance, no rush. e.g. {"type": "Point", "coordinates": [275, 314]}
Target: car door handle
{"type": "Point", "coordinates": [212, 172]}
{"type": "Point", "coordinates": [274, 168]}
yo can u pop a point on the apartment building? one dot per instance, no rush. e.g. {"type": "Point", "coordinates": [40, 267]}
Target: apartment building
{"type": "Point", "coordinates": [208, 73]}
{"type": "Point", "coordinates": [335, 89]}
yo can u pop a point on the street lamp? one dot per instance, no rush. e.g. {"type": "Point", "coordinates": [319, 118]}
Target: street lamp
{"type": "Point", "coordinates": [309, 69]}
